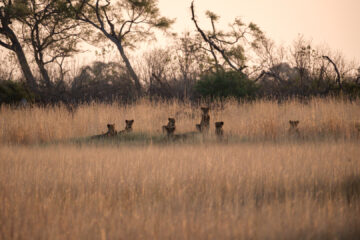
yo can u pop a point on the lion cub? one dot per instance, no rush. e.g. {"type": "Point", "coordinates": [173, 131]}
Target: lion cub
{"type": "Point", "coordinates": [170, 127]}
{"type": "Point", "coordinates": [357, 126]}
{"type": "Point", "coordinates": [293, 129]}
{"type": "Point", "coordinates": [110, 133]}
{"type": "Point", "coordinates": [218, 129]}
{"type": "Point", "coordinates": [205, 120]}
{"type": "Point", "coordinates": [128, 127]}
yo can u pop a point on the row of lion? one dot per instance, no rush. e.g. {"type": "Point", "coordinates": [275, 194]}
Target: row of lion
{"type": "Point", "coordinates": [202, 127]}
{"type": "Point", "coordinates": [112, 131]}
{"type": "Point", "coordinates": [169, 129]}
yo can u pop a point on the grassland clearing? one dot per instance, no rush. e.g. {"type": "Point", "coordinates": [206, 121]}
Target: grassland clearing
{"type": "Point", "coordinates": [258, 183]}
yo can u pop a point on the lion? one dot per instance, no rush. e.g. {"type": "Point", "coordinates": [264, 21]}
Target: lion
{"type": "Point", "coordinates": [218, 129]}
{"type": "Point", "coordinates": [170, 127]}
{"type": "Point", "coordinates": [293, 129]}
{"type": "Point", "coordinates": [110, 133]}
{"type": "Point", "coordinates": [169, 130]}
{"type": "Point", "coordinates": [205, 120]}
{"type": "Point", "coordinates": [357, 126]}
{"type": "Point", "coordinates": [128, 127]}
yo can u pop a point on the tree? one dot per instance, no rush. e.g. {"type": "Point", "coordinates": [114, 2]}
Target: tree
{"type": "Point", "coordinates": [338, 76]}
{"type": "Point", "coordinates": [104, 82]}
{"type": "Point", "coordinates": [124, 22]}
{"type": "Point", "coordinates": [269, 57]}
{"type": "Point", "coordinates": [9, 11]}
{"type": "Point", "coordinates": [300, 71]}
{"type": "Point", "coordinates": [315, 66]}
{"type": "Point", "coordinates": [157, 67]}
{"type": "Point", "coordinates": [8, 66]}
{"type": "Point", "coordinates": [228, 46]}
{"type": "Point", "coordinates": [223, 84]}
{"type": "Point", "coordinates": [51, 32]}
{"type": "Point", "coordinates": [190, 60]}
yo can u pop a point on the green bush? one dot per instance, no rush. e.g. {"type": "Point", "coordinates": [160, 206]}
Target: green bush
{"type": "Point", "coordinates": [225, 84]}
{"type": "Point", "coordinates": [351, 89]}
{"type": "Point", "coordinates": [14, 92]}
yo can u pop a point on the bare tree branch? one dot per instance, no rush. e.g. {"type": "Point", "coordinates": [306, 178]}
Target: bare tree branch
{"type": "Point", "coordinates": [212, 43]}
{"type": "Point", "coordinates": [5, 45]}
{"type": "Point", "coordinates": [338, 78]}
{"type": "Point", "coordinates": [271, 74]}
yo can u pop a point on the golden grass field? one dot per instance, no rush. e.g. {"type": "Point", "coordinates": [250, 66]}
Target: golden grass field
{"type": "Point", "coordinates": [258, 183]}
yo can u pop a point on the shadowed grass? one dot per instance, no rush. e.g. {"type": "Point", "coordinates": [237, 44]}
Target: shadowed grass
{"type": "Point", "coordinates": [180, 191]}
{"type": "Point", "coordinates": [144, 139]}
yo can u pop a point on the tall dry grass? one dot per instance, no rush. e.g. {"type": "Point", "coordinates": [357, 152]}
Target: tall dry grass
{"type": "Point", "coordinates": [308, 189]}
{"type": "Point", "coordinates": [216, 191]}
{"type": "Point", "coordinates": [255, 120]}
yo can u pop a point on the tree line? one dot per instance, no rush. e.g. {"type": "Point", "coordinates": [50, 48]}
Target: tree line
{"type": "Point", "coordinates": [239, 61]}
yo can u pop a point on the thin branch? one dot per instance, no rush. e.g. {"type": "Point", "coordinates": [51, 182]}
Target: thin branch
{"type": "Point", "coordinates": [212, 43]}
{"type": "Point", "coordinates": [97, 12]}
{"type": "Point", "coordinates": [271, 74]}
{"type": "Point", "coordinates": [338, 78]}
{"type": "Point", "coordinates": [133, 20]}
{"type": "Point", "coordinates": [5, 45]}
{"type": "Point", "coordinates": [112, 27]}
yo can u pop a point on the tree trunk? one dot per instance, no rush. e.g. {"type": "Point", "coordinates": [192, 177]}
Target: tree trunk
{"type": "Point", "coordinates": [130, 69]}
{"type": "Point", "coordinates": [16, 47]}
{"type": "Point", "coordinates": [44, 73]}
{"type": "Point", "coordinates": [30, 80]}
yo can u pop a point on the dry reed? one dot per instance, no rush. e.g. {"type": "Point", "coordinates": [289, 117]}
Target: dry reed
{"type": "Point", "coordinates": [246, 191]}
{"type": "Point", "coordinates": [228, 190]}
{"type": "Point", "coordinates": [255, 120]}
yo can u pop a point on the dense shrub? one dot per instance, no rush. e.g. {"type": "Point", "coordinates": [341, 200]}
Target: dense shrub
{"type": "Point", "coordinates": [102, 82]}
{"type": "Point", "coordinates": [224, 84]}
{"type": "Point", "coordinates": [351, 89]}
{"type": "Point", "coordinates": [14, 92]}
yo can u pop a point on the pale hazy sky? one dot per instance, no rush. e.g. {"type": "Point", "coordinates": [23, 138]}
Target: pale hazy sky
{"type": "Point", "coordinates": [331, 22]}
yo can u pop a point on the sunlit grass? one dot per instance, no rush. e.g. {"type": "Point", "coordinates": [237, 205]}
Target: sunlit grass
{"type": "Point", "coordinates": [320, 118]}
{"type": "Point", "coordinates": [248, 191]}
{"type": "Point", "coordinates": [256, 183]}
